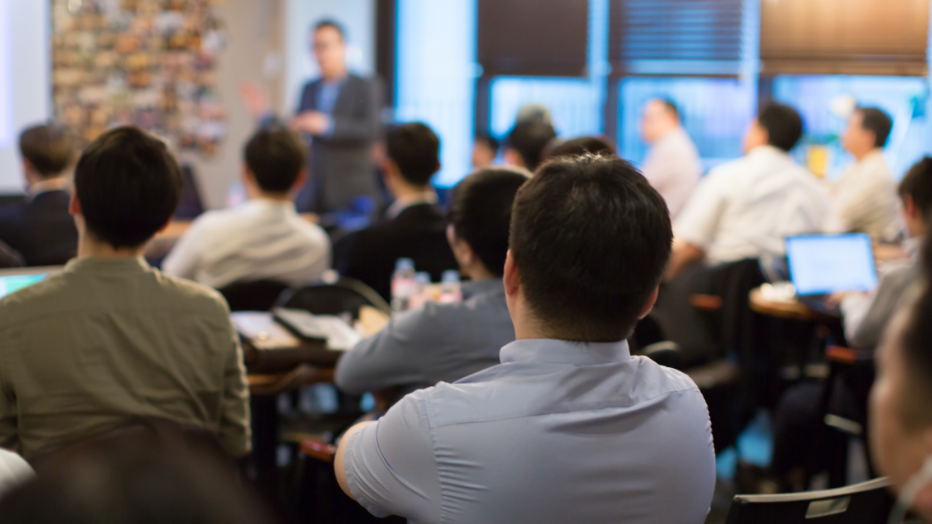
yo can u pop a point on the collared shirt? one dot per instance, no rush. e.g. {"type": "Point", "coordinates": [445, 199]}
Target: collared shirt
{"type": "Point", "coordinates": [402, 203]}
{"type": "Point", "coordinates": [672, 166]}
{"type": "Point", "coordinates": [328, 94]}
{"type": "Point", "coordinates": [261, 240]}
{"type": "Point", "coordinates": [560, 432]}
{"type": "Point", "coordinates": [108, 339]}
{"type": "Point", "coordinates": [747, 207]}
{"type": "Point", "coordinates": [52, 184]}
{"type": "Point", "coordinates": [864, 199]}
{"type": "Point", "coordinates": [434, 343]}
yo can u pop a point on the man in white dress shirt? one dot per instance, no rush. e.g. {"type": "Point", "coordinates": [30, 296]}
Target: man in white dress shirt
{"type": "Point", "coordinates": [672, 165]}
{"type": "Point", "coordinates": [864, 197]}
{"type": "Point", "coordinates": [745, 208]}
{"type": "Point", "coordinates": [265, 239]}
{"type": "Point", "coordinates": [570, 427]}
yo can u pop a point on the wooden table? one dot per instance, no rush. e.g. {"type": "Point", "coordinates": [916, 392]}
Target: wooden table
{"type": "Point", "coordinates": [789, 309]}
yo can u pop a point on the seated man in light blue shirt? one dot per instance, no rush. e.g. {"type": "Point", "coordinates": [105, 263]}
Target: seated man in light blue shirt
{"type": "Point", "coordinates": [570, 427]}
{"type": "Point", "coordinates": [446, 342]}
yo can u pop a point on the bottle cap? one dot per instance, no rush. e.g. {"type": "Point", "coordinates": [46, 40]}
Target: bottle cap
{"type": "Point", "coordinates": [403, 264]}
{"type": "Point", "coordinates": [450, 275]}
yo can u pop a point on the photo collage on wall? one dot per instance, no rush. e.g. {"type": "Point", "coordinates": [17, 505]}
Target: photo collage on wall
{"type": "Point", "coordinates": [150, 63]}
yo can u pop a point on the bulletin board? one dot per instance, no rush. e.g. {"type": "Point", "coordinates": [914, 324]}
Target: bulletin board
{"type": "Point", "coordinates": [150, 63]}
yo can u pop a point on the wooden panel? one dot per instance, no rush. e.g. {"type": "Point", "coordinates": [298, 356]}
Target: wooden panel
{"type": "Point", "coordinates": [533, 37]}
{"type": "Point", "coordinates": [845, 36]}
{"type": "Point", "coordinates": [676, 36]}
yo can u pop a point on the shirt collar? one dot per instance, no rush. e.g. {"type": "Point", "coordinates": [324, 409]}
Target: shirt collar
{"type": "Point", "coordinates": [51, 184]}
{"type": "Point", "coordinates": [553, 351]}
{"type": "Point", "coordinates": [402, 203]}
{"type": "Point", "coordinates": [107, 265]}
{"type": "Point", "coordinates": [488, 286]}
{"type": "Point", "coordinates": [268, 203]}
{"type": "Point", "coordinates": [766, 150]}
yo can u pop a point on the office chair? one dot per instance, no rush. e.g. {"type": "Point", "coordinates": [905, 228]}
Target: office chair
{"type": "Point", "coordinates": [346, 295]}
{"type": "Point", "coordinates": [259, 295]}
{"type": "Point", "coordinates": [866, 503]}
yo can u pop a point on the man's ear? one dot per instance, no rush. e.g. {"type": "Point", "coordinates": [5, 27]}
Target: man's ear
{"type": "Point", "coordinates": [302, 179]}
{"type": "Point", "coordinates": [512, 157]}
{"type": "Point", "coordinates": [74, 205]}
{"type": "Point", "coordinates": [909, 206]}
{"type": "Point", "coordinates": [512, 277]}
{"type": "Point", "coordinates": [650, 303]}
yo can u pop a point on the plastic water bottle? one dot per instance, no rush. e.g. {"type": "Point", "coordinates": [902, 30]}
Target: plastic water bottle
{"type": "Point", "coordinates": [450, 287]}
{"type": "Point", "coordinates": [403, 285]}
{"type": "Point", "coordinates": [421, 290]}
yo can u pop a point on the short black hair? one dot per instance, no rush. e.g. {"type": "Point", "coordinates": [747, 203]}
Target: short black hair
{"type": "Point", "coordinates": [590, 238]}
{"type": "Point", "coordinates": [489, 140]}
{"type": "Point", "coordinates": [481, 213]}
{"type": "Point", "coordinates": [128, 185]}
{"type": "Point", "coordinates": [529, 139]}
{"type": "Point", "coordinates": [876, 121]}
{"type": "Point", "coordinates": [917, 183]}
{"type": "Point", "coordinates": [669, 105]}
{"type": "Point", "coordinates": [329, 22]}
{"type": "Point", "coordinates": [50, 148]}
{"type": "Point", "coordinates": [783, 124]}
{"type": "Point", "coordinates": [415, 149]}
{"type": "Point", "coordinates": [275, 156]}
{"type": "Point", "coordinates": [582, 145]}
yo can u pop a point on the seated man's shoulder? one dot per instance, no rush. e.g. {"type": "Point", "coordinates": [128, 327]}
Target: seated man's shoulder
{"type": "Point", "coordinates": [194, 296]}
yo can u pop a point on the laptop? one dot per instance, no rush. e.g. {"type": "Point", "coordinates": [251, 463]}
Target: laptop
{"type": "Point", "coordinates": [12, 280]}
{"type": "Point", "coordinates": [824, 264]}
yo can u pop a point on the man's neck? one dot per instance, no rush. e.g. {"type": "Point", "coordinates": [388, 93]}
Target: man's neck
{"type": "Point", "coordinates": [335, 76]}
{"type": "Point", "coordinates": [409, 192]}
{"type": "Point", "coordinates": [90, 248]}
{"type": "Point", "coordinates": [865, 154]}
{"type": "Point", "coordinates": [40, 185]}
{"type": "Point", "coordinates": [275, 197]}
{"type": "Point", "coordinates": [665, 134]}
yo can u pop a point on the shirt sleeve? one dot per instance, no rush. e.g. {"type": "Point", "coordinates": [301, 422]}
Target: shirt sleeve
{"type": "Point", "coordinates": [184, 259]}
{"type": "Point", "coordinates": [392, 357]}
{"type": "Point", "coordinates": [235, 433]}
{"type": "Point", "coordinates": [698, 222]}
{"type": "Point", "coordinates": [866, 317]}
{"type": "Point", "coordinates": [391, 467]}
{"type": "Point", "coordinates": [9, 435]}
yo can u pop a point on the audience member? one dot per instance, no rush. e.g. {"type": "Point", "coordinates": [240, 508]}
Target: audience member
{"type": "Point", "coordinates": [446, 342]}
{"type": "Point", "coordinates": [864, 198]}
{"type": "Point", "coordinates": [484, 151]}
{"type": "Point", "coordinates": [672, 165]}
{"type": "Point", "coordinates": [745, 208]}
{"type": "Point", "coordinates": [525, 144]}
{"type": "Point", "coordinates": [265, 239]}
{"type": "Point", "coordinates": [110, 337]}
{"type": "Point", "coordinates": [580, 146]}
{"type": "Point", "coordinates": [415, 226]}
{"type": "Point", "coordinates": [900, 413]}
{"type": "Point", "coordinates": [571, 427]}
{"type": "Point", "coordinates": [39, 227]}
{"type": "Point", "coordinates": [865, 316]}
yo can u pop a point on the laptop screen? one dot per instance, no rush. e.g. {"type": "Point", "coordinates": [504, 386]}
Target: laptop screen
{"type": "Point", "coordinates": [12, 280]}
{"type": "Point", "coordinates": [825, 264]}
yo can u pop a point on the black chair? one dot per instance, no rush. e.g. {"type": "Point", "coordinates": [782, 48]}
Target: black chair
{"type": "Point", "coordinates": [346, 295]}
{"type": "Point", "coordinates": [259, 295]}
{"type": "Point", "coordinates": [866, 503]}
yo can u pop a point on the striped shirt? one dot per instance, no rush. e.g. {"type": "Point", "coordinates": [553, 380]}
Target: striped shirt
{"type": "Point", "coordinates": [261, 240]}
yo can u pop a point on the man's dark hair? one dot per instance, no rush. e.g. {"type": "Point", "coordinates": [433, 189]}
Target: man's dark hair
{"type": "Point", "coordinates": [583, 145]}
{"type": "Point", "coordinates": [128, 185]}
{"type": "Point", "coordinates": [917, 183]}
{"type": "Point", "coordinates": [783, 124]}
{"type": "Point", "coordinates": [50, 148]}
{"type": "Point", "coordinates": [529, 139]}
{"type": "Point", "coordinates": [489, 141]}
{"type": "Point", "coordinates": [328, 22]}
{"type": "Point", "coordinates": [669, 105]}
{"type": "Point", "coordinates": [415, 149]}
{"type": "Point", "coordinates": [877, 122]}
{"type": "Point", "coordinates": [276, 157]}
{"type": "Point", "coordinates": [481, 213]}
{"type": "Point", "coordinates": [591, 239]}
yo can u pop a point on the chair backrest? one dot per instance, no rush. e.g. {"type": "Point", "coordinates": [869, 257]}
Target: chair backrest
{"type": "Point", "coordinates": [865, 503]}
{"type": "Point", "coordinates": [347, 295]}
{"type": "Point", "coordinates": [259, 295]}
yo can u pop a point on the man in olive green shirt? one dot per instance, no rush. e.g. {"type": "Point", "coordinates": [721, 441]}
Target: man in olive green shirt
{"type": "Point", "coordinates": [110, 338]}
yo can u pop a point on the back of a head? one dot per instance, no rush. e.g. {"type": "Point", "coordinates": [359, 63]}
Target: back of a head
{"type": "Point", "coordinates": [133, 486]}
{"type": "Point", "coordinates": [590, 239]}
{"type": "Point", "coordinates": [876, 121]}
{"type": "Point", "coordinates": [415, 149]}
{"type": "Point", "coordinates": [917, 184]}
{"type": "Point", "coordinates": [783, 124]}
{"type": "Point", "coordinates": [128, 185]}
{"type": "Point", "coordinates": [49, 148]}
{"type": "Point", "coordinates": [275, 156]}
{"type": "Point", "coordinates": [481, 213]}
{"type": "Point", "coordinates": [490, 141]}
{"type": "Point", "coordinates": [592, 145]}
{"type": "Point", "coordinates": [529, 139]}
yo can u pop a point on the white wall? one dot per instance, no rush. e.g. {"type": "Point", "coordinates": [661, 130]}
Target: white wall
{"type": "Point", "coordinates": [25, 84]}
{"type": "Point", "coordinates": [358, 19]}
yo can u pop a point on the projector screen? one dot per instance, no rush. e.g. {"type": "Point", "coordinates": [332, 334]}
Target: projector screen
{"type": "Point", "coordinates": [25, 84]}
